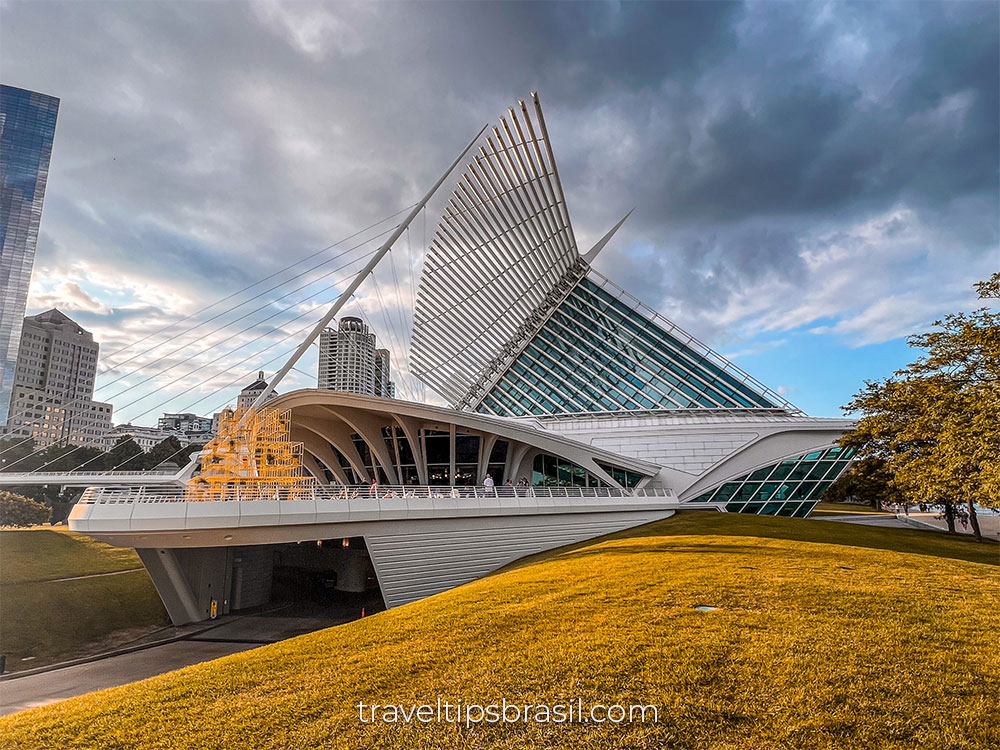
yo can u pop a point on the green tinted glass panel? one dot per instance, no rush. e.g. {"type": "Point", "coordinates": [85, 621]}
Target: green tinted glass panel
{"type": "Point", "coordinates": [819, 469]}
{"type": "Point", "coordinates": [782, 470]}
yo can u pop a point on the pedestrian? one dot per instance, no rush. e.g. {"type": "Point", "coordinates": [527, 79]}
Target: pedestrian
{"type": "Point", "coordinates": [488, 482]}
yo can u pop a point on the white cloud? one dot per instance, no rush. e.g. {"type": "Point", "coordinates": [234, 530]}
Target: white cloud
{"type": "Point", "coordinates": [881, 278]}
{"type": "Point", "coordinates": [68, 297]}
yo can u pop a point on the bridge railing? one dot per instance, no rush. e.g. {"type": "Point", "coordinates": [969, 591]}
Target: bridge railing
{"type": "Point", "coordinates": [57, 477]}
{"type": "Point", "coordinates": [167, 494]}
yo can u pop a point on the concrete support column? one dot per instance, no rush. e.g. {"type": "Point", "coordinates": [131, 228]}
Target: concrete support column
{"type": "Point", "coordinates": [171, 584]}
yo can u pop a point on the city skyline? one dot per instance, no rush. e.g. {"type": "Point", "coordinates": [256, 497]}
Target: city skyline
{"type": "Point", "coordinates": [848, 245]}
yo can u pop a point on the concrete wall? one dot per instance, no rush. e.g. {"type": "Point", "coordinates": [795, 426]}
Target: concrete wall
{"type": "Point", "coordinates": [252, 569]}
{"type": "Point", "coordinates": [424, 558]}
{"type": "Point", "coordinates": [700, 451]}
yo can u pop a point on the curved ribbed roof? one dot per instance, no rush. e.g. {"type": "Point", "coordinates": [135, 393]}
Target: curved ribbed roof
{"type": "Point", "coordinates": [510, 319]}
{"type": "Point", "coordinates": [502, 248]}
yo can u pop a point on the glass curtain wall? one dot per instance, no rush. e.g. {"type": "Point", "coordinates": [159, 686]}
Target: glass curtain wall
{"type": "Point", "coordinates": [552, 471]}
{"type": "Point", "coordinates": [595, 353]}
{"type": "Point", "coordinates": [788, 488]}
{"type": "Point", "coordinates": [27, 129]}
{"type": "Point", "coordinates": [437, 444]}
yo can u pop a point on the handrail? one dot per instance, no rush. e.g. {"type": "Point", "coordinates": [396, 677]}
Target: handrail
{"type": "Point", "coordinates": [339, 492]}
{"type": "Point", "coordinates": [138, 473]}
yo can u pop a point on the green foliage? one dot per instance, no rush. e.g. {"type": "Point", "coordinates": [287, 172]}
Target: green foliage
{"type": "Point", "coordinates": [936, 423]}
{"type": "Point", "coordinates": [17, 510]}
{"type": "Point", "coordinates": [868, 481]}
{"type": "Point", "coordinates": [813, 646]}
{"type": "Point", "coordinates": [125, 455]}
{"type": "Point", "coordinates": [166, 450]}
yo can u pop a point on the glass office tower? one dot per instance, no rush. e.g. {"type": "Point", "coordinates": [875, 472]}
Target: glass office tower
{"type": "Point", "coordinates": [27, 127]}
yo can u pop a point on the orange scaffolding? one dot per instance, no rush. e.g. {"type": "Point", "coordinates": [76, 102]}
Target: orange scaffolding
{"type": "Point", "coordinates": [251, 457]}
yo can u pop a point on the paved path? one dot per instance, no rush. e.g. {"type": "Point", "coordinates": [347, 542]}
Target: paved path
{"type": "Point", "coordinates": [232, 634]}
{"type": "Point", "coordinates": [989, 523]}
{"type": "Point", "coordinates": [888, 520]}
{"type": "Point", "coordinates": [91, 575]}
{"type": "Point", "coordinates": [59, 684]}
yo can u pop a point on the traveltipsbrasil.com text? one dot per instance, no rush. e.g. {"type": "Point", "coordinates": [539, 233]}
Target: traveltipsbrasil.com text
{"type": "Point", "coordinates": [471, 714]}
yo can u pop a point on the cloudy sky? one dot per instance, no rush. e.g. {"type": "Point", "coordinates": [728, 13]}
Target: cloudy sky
{"type": "Point", "coordinates": [811, 182]}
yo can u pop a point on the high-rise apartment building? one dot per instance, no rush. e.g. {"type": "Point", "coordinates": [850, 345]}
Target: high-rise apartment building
{"type": "Point", "coordinates": [27, 128]}
{"type": "Point", "coordinates": [53, 388]}
{"type": "Point", "coordinates": [382, 384]}
{"type": "Point", "coordinates": [349, 361]}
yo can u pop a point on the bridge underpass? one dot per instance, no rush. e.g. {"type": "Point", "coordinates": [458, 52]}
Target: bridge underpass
{"type": "Point", "coordinates": [330, 580]}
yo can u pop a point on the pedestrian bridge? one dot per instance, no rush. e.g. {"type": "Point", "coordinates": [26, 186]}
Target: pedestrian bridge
{"type": "Point", "coordinates": [90, 478]}
{"type": "Point", "coordinates": [222, 555]}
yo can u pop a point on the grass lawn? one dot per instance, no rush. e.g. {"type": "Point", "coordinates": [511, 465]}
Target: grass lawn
{"type": "Point", "coordinates": [52, 620]}
{"type": "Point", "coordinates": [44, 554]}
{"type": "Point", "coordinates": [824, 637]}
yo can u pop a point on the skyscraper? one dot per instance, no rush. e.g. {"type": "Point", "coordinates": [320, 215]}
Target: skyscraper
{"type": "Point", "coordinates": [27, 127]}
{"type": "Point", "coordinates": [382, 383]}
{"type": "Point", "coordinates": [349, 361]}
{"type": "Point", "coordinates": [54, 385]}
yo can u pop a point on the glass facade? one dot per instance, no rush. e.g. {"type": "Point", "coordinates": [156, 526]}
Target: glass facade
{"type": "Point", "coordinates": [440, 454]}
{"type": "Point", "coordinates": [788, 488]}
{"type": "Point", "coordinates": [597, 353]}
{"type": "Point", "coordinates": [27, 128]}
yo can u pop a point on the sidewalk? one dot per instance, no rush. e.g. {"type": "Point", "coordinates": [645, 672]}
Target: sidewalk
{"type": "Point", "coordinates": [41, 689]}
{"type": "Point", "coordinates": [190, 644]}
{"type": "Point", "coordinates": [989, 523]}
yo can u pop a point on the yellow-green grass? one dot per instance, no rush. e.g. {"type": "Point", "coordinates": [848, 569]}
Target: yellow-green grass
{"type": "Point", "coordinates": [815, 644]}
{"type": "Point", "coordinates": [841, 509]}
{"type": "Point", "coordinates": [44, 554]}
{"type": "Point", "coordinates": [45, 620]}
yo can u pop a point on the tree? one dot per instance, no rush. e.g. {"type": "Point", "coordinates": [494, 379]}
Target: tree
{"type": "Point", "coordinates": [13, 450]}
{"type": "Point", "coordinates": [125, 455]}
{"type": "Point", "coordinates": [17, 510]}
{"type": "Point", "coordinates": [936, 422]}
{"type": "Point", "coordinates": [166, 450]}
{"type": "Point", "coordinates": [869, 481]}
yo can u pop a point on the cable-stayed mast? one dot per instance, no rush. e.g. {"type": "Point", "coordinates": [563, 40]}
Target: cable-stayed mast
{"type": "Point", "coordinates": [362, 275]}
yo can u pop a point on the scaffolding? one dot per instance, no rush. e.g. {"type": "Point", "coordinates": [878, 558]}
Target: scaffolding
{"type": "Point", "coordinates": [251, 457]}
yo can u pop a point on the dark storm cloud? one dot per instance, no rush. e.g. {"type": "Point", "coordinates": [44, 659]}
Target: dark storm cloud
{"type": "Point", "coordinates": [793, 132]}
{"type": "Point", "coordinates": [203, 145]}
